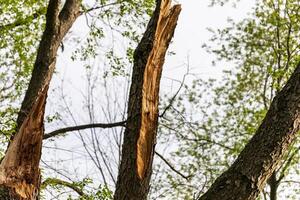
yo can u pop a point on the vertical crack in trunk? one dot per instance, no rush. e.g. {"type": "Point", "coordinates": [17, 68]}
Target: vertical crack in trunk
{"type": "Point", "coordinates": [150, 92]}
{"type": "Point", "coordinates": [141, 127]}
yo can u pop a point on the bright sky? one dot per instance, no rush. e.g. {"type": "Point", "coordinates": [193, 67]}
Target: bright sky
{"type": "Point", "coordinates": [190, 34]}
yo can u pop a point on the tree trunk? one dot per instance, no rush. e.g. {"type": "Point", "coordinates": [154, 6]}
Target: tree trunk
{"type": "Point", "coordinates": [262, 155]}
{"type": "Point", "coordinates": [57, 25]}
{"type": "Point", "coordinates": [19, 170]}
{"type": "Point", "coordinates": [140, 133]}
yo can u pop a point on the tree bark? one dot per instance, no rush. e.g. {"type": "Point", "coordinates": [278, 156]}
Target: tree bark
{"type": "Point", "coordinates": [140, 133]}
{"type": "Point", "coordinates": [262, 155]}
{"type": "Point", "coordinates": [58, 24]}
{"type": "Point", "coordinates": [19, 170]}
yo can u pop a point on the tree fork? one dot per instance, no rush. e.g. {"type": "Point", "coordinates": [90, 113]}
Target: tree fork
{"type": "Point", "coordinates": [140, 133]}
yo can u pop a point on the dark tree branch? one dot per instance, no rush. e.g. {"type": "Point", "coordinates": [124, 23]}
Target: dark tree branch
{"type": "Point", "coordinates": [248, 175]}
{"type": "Point", "coordinates": [69, 12]}
{"type": "Point", "coordinates": [81, 127]}
{"type": "Point", "coordinates": [52, 14]}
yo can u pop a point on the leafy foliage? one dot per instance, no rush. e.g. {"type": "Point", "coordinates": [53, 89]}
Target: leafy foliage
{"type": "Point", "coordinates": [83, 188]}
{"type": "Point", "coordinates": [22, 24]}
{"type": "Point", "coordinates": [211, 128]}
{"type": "Point", "coordinates": [20, 30]}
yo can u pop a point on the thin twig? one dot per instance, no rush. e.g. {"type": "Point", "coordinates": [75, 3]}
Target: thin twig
{"type": "Point", "coordinates": [176, 94]}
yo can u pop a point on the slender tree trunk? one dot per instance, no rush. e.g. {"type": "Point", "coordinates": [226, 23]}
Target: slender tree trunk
{"type": "Point", "coordinates": [19, 170]}
{"type": "Point", "coordinates": [262, 155]}
{"type": "Point", "coordinates": [140, 133]}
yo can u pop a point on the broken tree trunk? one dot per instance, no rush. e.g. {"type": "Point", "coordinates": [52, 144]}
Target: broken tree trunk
{"type": "Point", "coordinates": [19, 170]}
{"type": "Point", "coordinates": [58, 24]}
{"type": "Point", "coordinates": [248, 175]}
{"type": "Point", "coordinates": [140, 133]}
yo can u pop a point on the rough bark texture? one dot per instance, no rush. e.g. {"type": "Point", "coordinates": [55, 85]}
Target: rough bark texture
{"type": "Point", "coordinates": [261, 156]}
{"type": "Point", "coordinates": [140, 133]}
{"type": "Point", "coordinates": [57, 25]}
{"type": "Point", "coordinates": [19, 170]}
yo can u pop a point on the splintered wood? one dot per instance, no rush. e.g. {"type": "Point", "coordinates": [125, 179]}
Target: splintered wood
{"type": "Point", "coordinates": [164, 31]}
{"type": "Point", "coordinates": [19, 170]}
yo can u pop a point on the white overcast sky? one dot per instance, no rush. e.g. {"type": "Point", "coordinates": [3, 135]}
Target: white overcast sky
{"type": "Point", "coordinates": [191, 33]}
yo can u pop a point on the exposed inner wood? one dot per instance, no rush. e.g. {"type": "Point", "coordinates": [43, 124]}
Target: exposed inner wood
{"type": "Point", "coordinates": [141, 126]}
{"type": "Point", "coordinates": [150, 92]}
{"type": "Point", "coordinates": [19, 170]}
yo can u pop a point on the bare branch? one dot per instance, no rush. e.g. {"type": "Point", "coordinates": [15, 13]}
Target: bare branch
{"type": "Point", "coordinates": [81, 127]}
{"type": "Point", "coordinates": [175, 95]}
{"type": "Point", "coordinates": [100, 7]}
